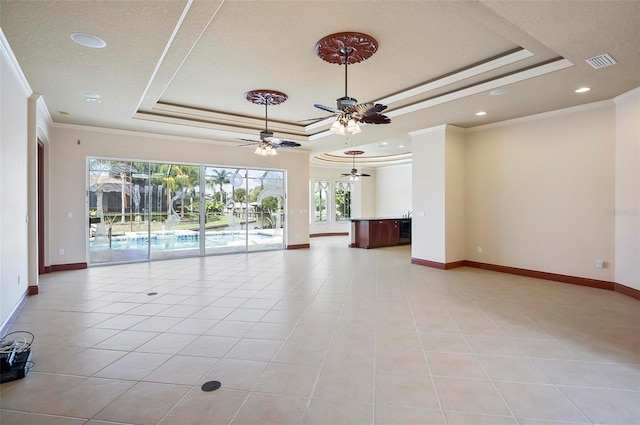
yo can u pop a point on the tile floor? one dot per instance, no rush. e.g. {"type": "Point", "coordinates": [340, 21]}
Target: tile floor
{"type": "Point", "coordinates": [329, 335]}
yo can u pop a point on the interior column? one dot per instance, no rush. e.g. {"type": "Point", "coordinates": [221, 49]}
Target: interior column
{"type": "Point", "coordinates": [438, 197]}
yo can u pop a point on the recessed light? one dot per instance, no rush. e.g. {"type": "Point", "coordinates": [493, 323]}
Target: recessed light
{"type": "Point", "coordinates": [64, 113]}
{"type": "Point", "coordinates": [583, 89]}
{"type": "Point", "coordinates": [92, 95]}
{"type": "Point", "coordinates": [88, 40]}
{"type": "Point", "coordinates": [498, 92]}
{"type": "Point", "coordinates": [401, 146]}
{"type": "Point", "coordinates": [92, 100]}
{"type": "Point", "coordinates": [481, 113]}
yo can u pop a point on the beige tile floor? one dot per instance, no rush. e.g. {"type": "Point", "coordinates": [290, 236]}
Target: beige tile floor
{"type": "Point", "coordinates": [329, 335]}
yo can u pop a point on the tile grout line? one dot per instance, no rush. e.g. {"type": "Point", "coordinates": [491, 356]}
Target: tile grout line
{"type": "Point", "coordinates": [493, 382]}
{"type": "Point", "coordinates": [424, 353]}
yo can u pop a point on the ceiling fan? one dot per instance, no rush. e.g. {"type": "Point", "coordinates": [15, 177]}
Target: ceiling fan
{"type": "Point", "coordinates": [345, 48]}
{"type": "Point", "coordinates": [354, 175]}
{"type": "Point", "coordinates": [267, 144]}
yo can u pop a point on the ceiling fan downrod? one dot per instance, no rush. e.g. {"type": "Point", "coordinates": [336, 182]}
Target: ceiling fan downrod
{"type": "Point", "coordinates": [345, 102]}
{"type": "Point", "coordinates": [346, 51]}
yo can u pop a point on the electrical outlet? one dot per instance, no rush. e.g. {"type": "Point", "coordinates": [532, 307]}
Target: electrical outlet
{"type": "Point", "coordinates": [61, 251]}
{"type": "Point", "coordinates": [600, 264]}
{"type": "Point", "coordinates": [479, 249]}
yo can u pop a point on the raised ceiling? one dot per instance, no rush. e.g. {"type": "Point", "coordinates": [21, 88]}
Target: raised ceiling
{"type": "Point", "coordinates": [182, 67]}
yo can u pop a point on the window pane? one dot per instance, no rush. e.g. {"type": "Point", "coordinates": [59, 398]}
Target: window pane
{"type": "Point", "coordinates": [343, 201]}
{"type": "Point", "coordinates": [321, 189]}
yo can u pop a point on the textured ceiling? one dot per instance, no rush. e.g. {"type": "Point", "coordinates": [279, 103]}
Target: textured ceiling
{"type": "Point", "coordinates": [182, 67]}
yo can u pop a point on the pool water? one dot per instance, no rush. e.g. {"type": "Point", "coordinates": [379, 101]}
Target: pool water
{"type": "Point", "coordinates": [184, 240]}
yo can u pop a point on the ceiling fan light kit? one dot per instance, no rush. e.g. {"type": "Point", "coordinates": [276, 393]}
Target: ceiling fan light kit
{"type": "Point", "coordinates": [268, 143]}
{"type": "Point", "coordinates": [346, 48]}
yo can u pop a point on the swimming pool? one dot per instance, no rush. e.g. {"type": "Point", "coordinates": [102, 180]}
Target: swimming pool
{"type": "Point", "coordinates": [186, 239]}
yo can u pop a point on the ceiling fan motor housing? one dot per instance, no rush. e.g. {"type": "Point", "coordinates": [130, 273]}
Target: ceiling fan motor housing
{"type": "Point", "coordinates": [346, 102]}
{"type": "Point", "coordinates": [265, 135]}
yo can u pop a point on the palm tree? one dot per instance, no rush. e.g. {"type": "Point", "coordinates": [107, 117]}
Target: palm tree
{"type": "Point", "coordinates": [221, 177]}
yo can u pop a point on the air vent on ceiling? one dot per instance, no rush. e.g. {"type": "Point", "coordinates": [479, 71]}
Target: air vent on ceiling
{"type": "Point", "coordinates": [600, 61]}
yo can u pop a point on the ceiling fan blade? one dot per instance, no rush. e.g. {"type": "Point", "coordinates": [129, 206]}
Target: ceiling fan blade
{"type": "Point", "coordinates": [365, 175]}
{"type": "Point", "coordinates": [253, 142]}
{"type": "Point", "coordinates": [315, 119]}
{"type": "Point", "coordinates": [370, 113]}
{"type": "Point", "coordinates": [346, 174]}
{"type": "Point", "coordinates": [286, 144]}
{"type": "Point", "coordinates": [277, 143]}
{"type": "Point", "coordinates": [375, 119]}
{"type": "Point", "coordinates": [327, 108]}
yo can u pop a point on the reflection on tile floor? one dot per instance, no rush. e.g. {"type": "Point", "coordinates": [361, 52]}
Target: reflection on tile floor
{"type": "Point", "coordinates": [328, 335]}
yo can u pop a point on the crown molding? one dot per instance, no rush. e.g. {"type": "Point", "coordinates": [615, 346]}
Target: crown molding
{"type": "Point", "coordinates": [5, 48]}
{"type": "Point", "coordinates": [435, 129]}
{"type": "Point", "coordinates": [628, 95]}
{"type": "Point", "coordinates": [543, 115]}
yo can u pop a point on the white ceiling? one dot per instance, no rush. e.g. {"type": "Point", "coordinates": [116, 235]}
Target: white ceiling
{"type": "Point", "coordinates": [182, 67]}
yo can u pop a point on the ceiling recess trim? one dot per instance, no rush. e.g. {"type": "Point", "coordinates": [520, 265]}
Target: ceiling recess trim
{"type": "Point", "coordinates": [189, 113]}
{"type": "Point", "coordinates": [489, 85]}
{"type": "Point", "coordinates": [233, 130]}
{"type": "Point", "coordinates": [470, 91]}
{"type": "Point", "coordinates": [459, 76]}
{"type": "Point", "coordinates": [371, 161]}
{"type": "Point", "coordinates": [474, 71]}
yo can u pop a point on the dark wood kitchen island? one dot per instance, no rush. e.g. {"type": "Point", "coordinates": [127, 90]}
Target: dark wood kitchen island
{"type": "Point", "coordinates": [375, 232]}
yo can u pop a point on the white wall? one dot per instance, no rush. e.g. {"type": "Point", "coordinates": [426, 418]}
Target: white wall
{"type": "Point", "coordinates": [366, 197]}
{"type": "Point", "coordinates": [68, 185]}
{"type": "Point", "coordinates": [539, 189]}
{"type": "Point", "coordinates": [14, 94]}
{"type": "Point", "coordinates": [428, 196]}
{"type": "Point", "coordinates": [393, 190]}
{"type": "Point", "coordinates": [438, 220]}
{"type": "Point", "coordinates": [627, 202]}
{"type": "Point", "coordinates": [455, 195]}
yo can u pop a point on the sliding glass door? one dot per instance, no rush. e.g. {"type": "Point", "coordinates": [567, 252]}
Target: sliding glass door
{"type": "Point", "coordinates": [148, 211]}
{"type": "Point", "coordinates": [265, 209]}
{"type": "Point", "coordinates": [175, 212]}
{"type": "Point", "coordinates": [118, 199]}
{"type": "Point", "coordinates": [225, 223]}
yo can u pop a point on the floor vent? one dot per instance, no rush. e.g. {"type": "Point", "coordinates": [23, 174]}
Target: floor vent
{"type": "Point", "coordinates": [600, 61]}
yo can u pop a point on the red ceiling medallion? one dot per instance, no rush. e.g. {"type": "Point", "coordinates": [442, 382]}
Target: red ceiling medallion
{"type": "Point", "coordinates": [333, 48]}
{"type": "Point", "coordinates": [354, 153]}
{"type": "Point", "coordinates": [265, 97]}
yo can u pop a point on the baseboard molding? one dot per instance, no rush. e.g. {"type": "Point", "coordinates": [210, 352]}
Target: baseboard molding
{"type": "Point", "coordinates": [299, 246]}
{"type": "Point", "coordinates": [436, 265]}
{"type": "Point", "coordinates": [315, 235]}
{"type": "Point", "coordinates": [353, 245]}
{"type": "Point", "coordinates": [4, 327]}
{"type": "Point", "coordinates": [574, 280]}
{"type": "Point", "coordinates": [70, 266]}
{"type": "Point", "coordinates": [627, 290]}
{"type": "Point", "coordinates": [47, 269]}
{"type": "Point", "coordinates": [32, 290]}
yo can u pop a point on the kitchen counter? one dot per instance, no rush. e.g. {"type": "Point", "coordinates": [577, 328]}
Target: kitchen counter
{"type": "Point", "coordinates": [374, 232]}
